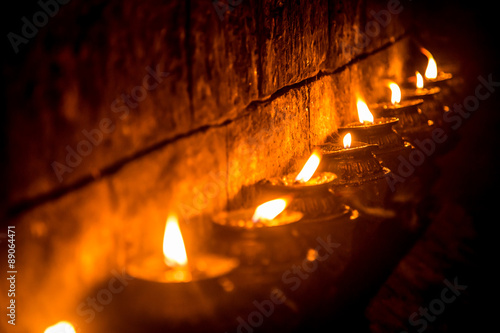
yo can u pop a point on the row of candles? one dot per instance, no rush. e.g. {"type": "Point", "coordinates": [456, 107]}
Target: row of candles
{"type": "Point", "coordinates": [363, 152]}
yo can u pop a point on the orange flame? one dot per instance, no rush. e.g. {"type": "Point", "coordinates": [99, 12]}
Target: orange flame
{"type": "Point", "coordinates": [347, 140]}
{"type": "Point", "coordinates": [174, 250]}
{"type": "Point", "coordinates": [395, 93]}
{"type": "Point", "coordinates": [364, 113]}
{"type": "Point", "coordinates": [269, 210]}
{"type": "Point", "coordinates": [61, 327]}
{"type": "Point", "coordinates": [309, 168]}
{"type": "Point", "coordinates": [420, 80]}
{"type": "Point", "coordinates": [431, 71]}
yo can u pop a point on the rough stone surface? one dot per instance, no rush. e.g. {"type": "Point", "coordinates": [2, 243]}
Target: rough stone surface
{"type": "Point", "coordinates": [218, 58]}
{"type": "Point", "coordinates": [224, 58]}
{"type": "Point", "coordinates": [62, 249]}
{"type": "Point", "coordinates": [186, 178]}
{"type": "Point", "coordinates": [343, 28]}
{"type": "Point", "coordinates": [268, 142]}
{"type": "Point", "coordinates": [329, 105]}
{"type": "Point", "coordinates": [73, 77]}
{"type": "Point", "coordinates": [293, 41]}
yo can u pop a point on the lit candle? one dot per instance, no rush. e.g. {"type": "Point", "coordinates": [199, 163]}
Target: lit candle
{"type": "Point", "coordinates": [309, 190]}
{"type": "Point", "coordinates": [170, 290]}
{"type": "Point", "coordinates": [353, 162]}
{"type": "Point", "coordinates": [174, 266]}
{"type": "Point", "coordinates": [420, 91]}
{"type": "Point", "coordinates": [267, 215]}
{"type": "Point", "coordinates": [433, 108]}
{"type": "Point", "coordinates": [377, 131]}
{"type": "Point", "coordinates": [252, 235]}
{"type": "Point", "coordinates": [361, 177]}
{"type": "Point", "coordinates": [432, 75]}
{"type": "Point", "coordinates": [413, 124]}
{"type": "Point", "coordinates": [372, 130]}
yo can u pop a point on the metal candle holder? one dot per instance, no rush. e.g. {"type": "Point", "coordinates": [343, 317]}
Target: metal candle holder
{"type": "Point", "coordinates": [354, 165]}
{"type": "Point", "coordinates": [312, 198]}
{"type": "Point", "coordinates": [361, 178]}
{"type": "Point", "coordinates": [413, 124]}
{"type": "Point", "coordinates": [257, 243]}
{"type": "Point", "coordinates": [437, 93]}
{"type": "Point", "coordinates": [442, 80]}
{"type": "Point", "coordinates": [380, 133]}
{"type": "Point", "coordinates": [152, 306]}
{"type": "Point", "coordinates": [159, 298]}
{"type": "Point", "coordinates": [202, 267]}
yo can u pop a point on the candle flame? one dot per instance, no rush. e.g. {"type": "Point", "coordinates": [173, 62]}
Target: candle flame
{"type": "Point", "coordinates": [269, 210]}
{"type": "Point", "coordinates": [347, 140]}
{"type": "Point", "coordinates": [174, 250]}
{"type": "Point", "coordinates": [420, 80]}
{"type": "Point", "coordinates": [61, 327]}
{"type": "Point", "coordinates": [364, 113]}
{"type": "Point", "coordinates": [309, 168]}
{"type": "Point", "coordinates": [395, 93]}
{"type": "Point", "coordinates": [431, 71]}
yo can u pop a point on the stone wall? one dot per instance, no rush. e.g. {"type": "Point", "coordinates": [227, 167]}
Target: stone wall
{"type": "Point", "coordinates": [121, 113]}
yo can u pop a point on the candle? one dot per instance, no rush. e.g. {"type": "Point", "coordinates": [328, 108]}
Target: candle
{"type": "Point", "coordinates": [169, 290]}
{"type": "Point", "coordinates": [413, 124]}
{"type": "Point", "coordinates": [442, 80]}
{"type": "Point", "coordinates": [174, 266]}
{"type": "Point", "coordinates": [432, 75]}
{"type": "Point", "coordinates": [309, 190]}
{"type": "Point", "coordinates": [268, 215]}
{"type": "Point", "coordinates": [420, 91]}
{"type": "Point", "coordinates": [354, 162]}
{"type": "Point", "coordinates": [378, 131]}
{"type": "Point", "coordinates": [444, 89]}
{"type": "Point", "coordinates": [361, 177]}
{"type": "Point", "coordinates": [432, 107]}
{"type": "Point", "coordinates": [260, 237]}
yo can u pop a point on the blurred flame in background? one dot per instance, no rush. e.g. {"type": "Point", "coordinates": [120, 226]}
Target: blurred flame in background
{"type": "Point", "coordinates": [395, 92]}
{"type": "Point", "coordinates": [61, 327]}
{"type": "Point", "coordinates": [420, 80]}
{"type": "Point", "coordinates": [174, 250]}
{"type": "Point", "coordinates": [431, 72]}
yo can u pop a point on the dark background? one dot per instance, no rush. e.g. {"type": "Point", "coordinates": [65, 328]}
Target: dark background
{"type": "Point", "coordinates": [466, 33]}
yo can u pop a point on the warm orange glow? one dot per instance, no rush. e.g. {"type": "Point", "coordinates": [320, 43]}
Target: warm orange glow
{"type": "Point", "coordinates": [431, 72]}
{"type": "Point", "coordinates": [174, 250]}
{"type": "Point", "coordinates": [420, 80]}
{"type": "Point", "coordinates": [269, 210]}
{"type": "Point", "coordinates": [309, 168]}
{"type": "Point", "coordinates": [364, 113]}
{"type": "Point", "coordinates": [395, 93]}
{"type": "Point", "coordinates": [61, 327]}
{"type": "Point", "coordinates": [347, 140]}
